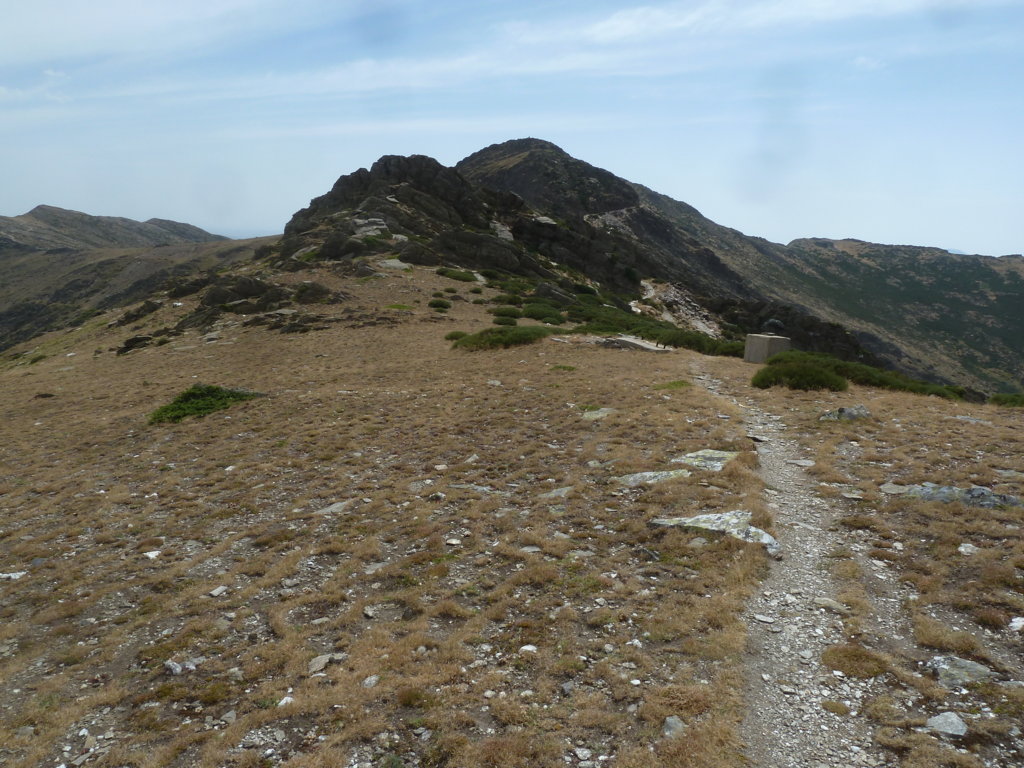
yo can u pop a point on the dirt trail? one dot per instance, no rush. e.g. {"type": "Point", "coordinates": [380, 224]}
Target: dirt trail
{"type": "Point", "coordinates": [788, 688]}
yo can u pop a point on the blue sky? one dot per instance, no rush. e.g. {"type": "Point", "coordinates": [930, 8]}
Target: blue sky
{"type": "Point", "coordinates": [897, 121]}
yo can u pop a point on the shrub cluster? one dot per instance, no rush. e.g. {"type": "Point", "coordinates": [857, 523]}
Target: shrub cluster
{"type": "Point", "coordinates": [199, 400]}
{"type": "Point", "coordinates": [493, 338]}
{"type": "Point", "coordinates": [439, 304]}
{"type": "Point", "coordinates": [806, 376]}
{"type": "Point", "coordinates": [457, 274]}
{"type": "Point", "coordinates": [1012, 399]}
{"type": "Point", "coordinates": [858, 373]}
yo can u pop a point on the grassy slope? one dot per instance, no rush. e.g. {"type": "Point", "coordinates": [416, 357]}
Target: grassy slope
{"type": "Point", "coordinates": [381, 417]}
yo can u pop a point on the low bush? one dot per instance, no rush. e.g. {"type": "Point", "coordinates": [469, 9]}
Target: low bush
{"type": "Point", "coordinates": [457, 274]}
{"type": "Point", "coordinates": [543, 313]}
{"type": "Point", "coordinates": [505, 312]}
{"type": "Point", "coordinates": [866, 375]}
{"type": "Point", "coordinates": [455, 335]}
{"type": "Point", "coordinates": [439, 304]}
{"type": "Point", "coordinates": [199, 400]}
{"type": "Point", "coordinates": [507, 298]}
{"type": "Point", "coordinates": [504, 320]}
{"type": "Point", "coordinates": [1012, 399]}
{"type": "Point", "coordinates": [494, 338]}
{"type": "Point", "coordinates": [804, 376]}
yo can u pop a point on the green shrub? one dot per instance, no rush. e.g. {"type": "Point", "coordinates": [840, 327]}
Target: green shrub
{"type": "Point", "coordinates": [451, 289]}
{"type": "Point", "coordinates": [806, 376]}
{"type": "Point", "coordinates": [505, 311]}
{"type": "Point", "coordinates": [199, 400]}
{"type": "Point", "coordinates": [439, 304]}
{"type": "Point", "coordinates": [457, 274]}
{"type": "Point", "coordinates": [866, 375]}
{"type": "Point", "coordinates": [476, 289]}
{"type": "Point", "coordinates": [399, 306]}
{"type": "Point", "coordinates": [507, 298]}
{"type": "Point", "coordinates": [455, 335]}
{"type": "Point", "coordinates": [504, 320]}
{"type": "Point", "coordinates": [1012, 399]}
{"type": "Point", "coordinates": [493, 338]}
{"type": "Point", "coordinates": [543, 313]}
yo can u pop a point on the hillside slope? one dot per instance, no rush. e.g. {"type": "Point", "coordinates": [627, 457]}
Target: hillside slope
{"type": "Point", "coordinates": [405, 554]}
{"type": "Point", "coordinates": [925, 311]}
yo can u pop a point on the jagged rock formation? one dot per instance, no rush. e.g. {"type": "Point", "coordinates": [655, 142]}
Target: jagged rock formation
{"type": "Point", "coordinates": [526, 207]}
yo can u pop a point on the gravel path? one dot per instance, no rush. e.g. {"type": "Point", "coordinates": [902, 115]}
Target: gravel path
{"type": "Point", "coordinates": [791, 622]}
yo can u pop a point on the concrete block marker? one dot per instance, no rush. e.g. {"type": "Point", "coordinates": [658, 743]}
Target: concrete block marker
{"type": "Point", "coordinates": [761, 346]}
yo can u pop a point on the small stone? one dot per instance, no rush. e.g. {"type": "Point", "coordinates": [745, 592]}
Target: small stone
{"type": "Point", "coordinates": [968, 549]}
{"type": "Point", "coordinates": [371, 681]}
{"type": "Point", "coordinates": [558, 493]}
{"type": "Point", "coordinates": [893, 489]}
{"type": "Point", "coordinates": [953, 671]}
{"type": "Point", "coordinates": [218, 591]}
{"type": "Point", "coordinates": [672, 727]}
{"type": "Point", "coordinates": [285, 701]}
{"type": "Point", "coordinates": [173, 667]}
{"type": "Point", "coordinates": [801, 462]}
{"type": "Point", "coordinates": [948, 723]}
{"type": "Point", "coordinates": [12, 576]}
{"type": "Point", "coordinates": [764, 619]}
{"type": "Point", "coordinates": [235, 674]}
{"type": "Point", "coordinates": [583, 753]}
{"type": "Point", "coordinates": [832, 605]}
{"type": "Point", "coordinates": [370, 611]}
{"type": "Point", "coordinates": [1016, 624]}
{"type": "Point", "coordinates": [26, 732]}
{"type": "Point", "coordinates": [230, 716]}
{"type": "Point", "coordinates": [528, 649]}
{"type": "Point", "coordinates": [489, 694]}
{"type": "Point", "coordinates": [319, 663]}
{"type": "Point", "coordinates": [453, 542]}
{"type": "Point", "coordinates": [153, 554]}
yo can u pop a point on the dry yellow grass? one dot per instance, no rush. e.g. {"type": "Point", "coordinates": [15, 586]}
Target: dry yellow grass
{"type": "Point", "coordinates": [375, 503]}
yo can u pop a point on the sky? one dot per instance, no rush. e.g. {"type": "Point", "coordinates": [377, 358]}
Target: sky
{"type": "Point", "coordinates": [893, 121]}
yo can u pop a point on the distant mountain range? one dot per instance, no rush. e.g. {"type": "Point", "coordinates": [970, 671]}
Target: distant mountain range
{"type": "Point", "coordinates": [527, 207]}
{"type": "Point", "coordinates": [58, 267]}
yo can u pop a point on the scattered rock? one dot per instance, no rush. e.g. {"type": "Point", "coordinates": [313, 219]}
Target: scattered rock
{"type": "Point", "coordinates": [735, 523]}
{"type": "Point", "coordinates": [764, 619]}
{"type": "Point", "coordinates": [173, 668]}
{"type": "Point", "coordinates": [558, 493]}
{"type": "Point", "coordinates": [832, 605]}
{"type": "Point", "coordinates": [672, 727]}
{"type": "Point", "coordinates": [975, 496]}
{"type": "Point", "coordinates": [953, 671]}
{"type": "Point", "coordinates": [371, 681]}
{"type": "Point", "coordinates": [650, 478]}
{"type": "Point", "coordinates": [218, 591]}
{"type": "Point", "coordinates": [968, 549]}
{"type": "Point", "coordinates": [852, 413]}
{"type": "Point", "coordinates": [26, 732]}
{"type": "Point", "coordinates": [286, 701]}
{"type": "Point", "coordinates": [599, 413]}
{"type": "Point", "coordinates": [801, 462]}
{"type": "Point", "coordinates": [948, 723]}
{"type": "Point", "coordinates": [1016, 624]}
{"type": "Point", "coordinates": [135, 342]}
{"type": "Point", "coordinates": [319, 663]}
{"type": "Point", "coordinates": [528, 649]}
{"type": "Point", "coordinates": [12, 576]}
{"type": "Point", "coordinates": [708, 458]}
{"type": "Point", "coordinates": [229, 717]}
{"type": "Point", "coordinates": [894, 489]}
